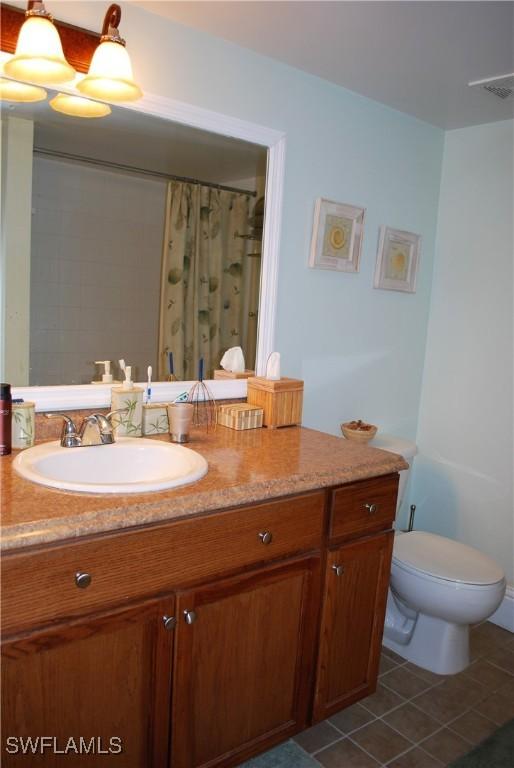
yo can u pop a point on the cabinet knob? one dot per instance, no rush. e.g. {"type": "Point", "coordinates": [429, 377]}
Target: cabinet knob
{"type": "Point", "coordinates": [372, 508]}
{"type": "Point", "coordinates": [82, 580]}
{"type": "Point", "coordinates": [189, 617]}
{"type": "Point", "coordinates": [338, 570]}
{"type": "Point", "coordinates": [266, 537]}
{"type": "Point", "coordinates": [170, 622]}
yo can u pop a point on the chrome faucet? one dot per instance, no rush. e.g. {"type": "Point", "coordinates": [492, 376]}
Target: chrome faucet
{"type": "Point", "coordinates": [96, 429]}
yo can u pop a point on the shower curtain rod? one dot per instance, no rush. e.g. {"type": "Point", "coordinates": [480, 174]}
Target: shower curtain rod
{"type": "Point", "coordinates": [135, 169]}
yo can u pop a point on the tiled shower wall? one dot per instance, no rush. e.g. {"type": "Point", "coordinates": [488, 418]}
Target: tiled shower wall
{"type": "Point", "coordinates": [95, 270]}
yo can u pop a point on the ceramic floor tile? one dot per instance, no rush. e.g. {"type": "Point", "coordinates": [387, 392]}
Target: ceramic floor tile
{"type": "Point", "coordinates": [499, 707]}
{"type": "Point", "coordinates": [351, 718]}
{"type": "Point", "coordinates": [380, 741]}
{"type": "Point", "coordinates": [443, 705]}
{"type": "Point", "coordinates": [503, 658]}
{"type": "Point", "coordinates": [345, 754]}
{"type": "Point", "coordinates": [317, 737]}
{"type": "Point", "coordinates": [415, 758]}
{"type": "Point", "coordinates": [425, 674]}
{"type": "Point", "coordinates": [287, 755]}
{"type": "Point", "coordinates": [412, 723]}
{"type": "Point", "coordinates": [405, 683]}
{"type": "Point", "coordinates": [392, 655]}
{"type": "Point", "coordinates": [386, 665]}
{"type": "Point", "coordinates": [473, 727]}
{"type": "Point", "coordinates": [486, 673]}
{"type": "Point", "coordinates": [382, 701]}
{"type": "Point", "coordinates": [492, 633]}
{"type": "Point", "coordinates": [445, 745]}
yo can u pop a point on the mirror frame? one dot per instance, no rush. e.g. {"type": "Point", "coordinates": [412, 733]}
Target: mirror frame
{"type": "Point", "coordinates": [67, 397]}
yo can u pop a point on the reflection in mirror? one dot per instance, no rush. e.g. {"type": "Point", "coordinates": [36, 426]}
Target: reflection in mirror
{"type": "Point", "coordinates": [126, 237]}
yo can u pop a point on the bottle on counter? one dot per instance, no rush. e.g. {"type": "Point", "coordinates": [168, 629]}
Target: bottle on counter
{"type": "Point", "coordinates": [5, 419]}
{"type": "Point", "coordinates": [129, 398]}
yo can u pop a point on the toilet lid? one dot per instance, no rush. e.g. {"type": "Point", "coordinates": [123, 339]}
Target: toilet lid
{"type": "Point", "coordinates": [445, 559]}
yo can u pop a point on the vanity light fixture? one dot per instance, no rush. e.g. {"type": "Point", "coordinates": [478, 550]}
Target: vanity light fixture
{"type": "Point", "coordinates": [39, 57]}
{"type": "Point", "coordinates": [12, 90]}
{"type": "Point", "coordinates": [110, 75]}
{"type": "Point", "coordinates": [78, 106]}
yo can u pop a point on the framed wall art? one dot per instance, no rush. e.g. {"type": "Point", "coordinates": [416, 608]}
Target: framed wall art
{"type": "Point", "coordinates": [397, 260]}
{"type": "Point", "coordinates": [336, 236]}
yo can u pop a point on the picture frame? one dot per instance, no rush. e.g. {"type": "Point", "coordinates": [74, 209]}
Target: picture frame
{"type": "Point", "coordinates": [397, 260]}
{"type": "Point", "coordinates": [337, 235]}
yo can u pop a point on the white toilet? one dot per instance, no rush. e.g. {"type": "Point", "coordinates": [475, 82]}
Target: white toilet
{"type": "Point", "coordinates": [438, 588]}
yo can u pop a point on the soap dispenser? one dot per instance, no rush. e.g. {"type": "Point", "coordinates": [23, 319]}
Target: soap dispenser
{"type": "Point", "coordinates": [129, 398]}
{"type": "Point", "coordinates": [107, 375]}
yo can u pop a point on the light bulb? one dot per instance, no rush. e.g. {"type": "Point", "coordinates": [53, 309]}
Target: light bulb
{"type": "Point", "coordinates": [77, 106]}
{"type": "Point", "coordinates": [39, 57]}
{"type": "Point", "coordinates": [12, 90]}
{"type": "Point", "coordinates": [110, 75]}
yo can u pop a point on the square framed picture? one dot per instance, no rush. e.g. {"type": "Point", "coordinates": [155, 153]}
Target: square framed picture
{"type": "Point", "coordinates": [397, 260]}
{"type": "Point", "coordinates": [336, 236]}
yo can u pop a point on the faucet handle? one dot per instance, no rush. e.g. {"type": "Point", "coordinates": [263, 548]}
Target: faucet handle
{"type": "Point", "coordinates": [69, 436]}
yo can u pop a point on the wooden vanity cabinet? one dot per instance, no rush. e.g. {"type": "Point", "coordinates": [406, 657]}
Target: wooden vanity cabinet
{"type": "Point", "coordinates": [104, 677]}
{"type": "Point", "coordinates": [277, 609]}
{"type": "Point", "coordinates": [354, 602]}
{"type": "Point", "coordinates": [244, 664]}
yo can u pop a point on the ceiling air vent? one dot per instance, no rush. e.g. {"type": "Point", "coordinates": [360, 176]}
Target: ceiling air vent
{"type": "Point", "coordinates": [502, 86]}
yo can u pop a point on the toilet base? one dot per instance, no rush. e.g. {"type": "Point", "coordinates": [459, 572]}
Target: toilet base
{"type": "Point", "coordinates": [435, 644]}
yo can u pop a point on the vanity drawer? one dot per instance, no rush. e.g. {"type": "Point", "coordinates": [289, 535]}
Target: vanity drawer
{"type": "Point", "coordinates": [361, 507]}
{"type": "Point", "coordinates": [39, 587]}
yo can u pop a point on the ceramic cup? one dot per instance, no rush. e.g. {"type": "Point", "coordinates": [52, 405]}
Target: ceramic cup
{"type": "Point", "coordinates": [180, 416]}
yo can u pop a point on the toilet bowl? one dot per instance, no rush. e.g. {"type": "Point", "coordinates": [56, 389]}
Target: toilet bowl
{"type": "Point", "coordinates": [438, 588]}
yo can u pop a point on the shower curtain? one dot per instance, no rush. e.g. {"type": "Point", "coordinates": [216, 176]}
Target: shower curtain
{"type": "Point", "coordinates": [209, 293]}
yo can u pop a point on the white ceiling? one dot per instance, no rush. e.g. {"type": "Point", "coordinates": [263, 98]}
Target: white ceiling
{"type": "Point", "coordinates": [151, 143]}
{"type": "Point", "coordinates": [417, 57]}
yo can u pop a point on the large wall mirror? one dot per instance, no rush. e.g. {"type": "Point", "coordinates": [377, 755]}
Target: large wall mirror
{"type": "Point", "coordinates": [129, 236]}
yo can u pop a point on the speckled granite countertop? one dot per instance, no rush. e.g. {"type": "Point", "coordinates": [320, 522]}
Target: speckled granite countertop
{"type": "Point", "coordinates": [244, 467]}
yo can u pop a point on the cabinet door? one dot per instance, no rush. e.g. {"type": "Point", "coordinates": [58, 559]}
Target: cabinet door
{"type": "Point", "coordinates": [106, 678]}
{"type": "Point", "coordinates": [243, 664]}
{"type": "Point", "coordinates": [355, 596]}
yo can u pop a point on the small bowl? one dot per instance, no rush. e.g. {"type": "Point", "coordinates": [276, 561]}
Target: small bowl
{"type": "Point", "coordinates": [363, 433]}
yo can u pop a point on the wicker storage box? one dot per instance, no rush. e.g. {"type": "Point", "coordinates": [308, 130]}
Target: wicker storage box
{"type": "Point", "coordinates": [282, 400]}
{"type": "Point", "coordinates": [221, 374]}
{"type": "Point", "coordinates": [240, 416]}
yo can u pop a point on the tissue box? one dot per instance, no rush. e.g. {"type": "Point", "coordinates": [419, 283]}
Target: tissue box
{"type": "Point", "coordinates": [282, 400]}
{"type": "Point", "coordinates": [222, 374]}
{"type": "Point", "coordinates": [155, 419]}
{"type": "Point", "coordinates": [240, 416]}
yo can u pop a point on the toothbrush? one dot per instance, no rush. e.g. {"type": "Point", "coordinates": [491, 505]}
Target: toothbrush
{"type": "Point", "coordinates": [149, 384]}
{"type": "Point", "coordinates": [171, 373]}
{"type": "Point", "coordinates": [182, 398]}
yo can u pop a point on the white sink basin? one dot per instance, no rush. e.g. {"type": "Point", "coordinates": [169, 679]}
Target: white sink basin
{"type": "Point", "coordinates": [130, 465]}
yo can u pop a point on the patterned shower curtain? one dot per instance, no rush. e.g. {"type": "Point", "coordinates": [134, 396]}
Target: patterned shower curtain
{"type": "Point", "coordinates": [209, 296]}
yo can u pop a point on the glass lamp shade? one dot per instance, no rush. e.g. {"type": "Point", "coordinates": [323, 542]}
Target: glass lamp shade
{"type": "Point", "coordinates": [110, 75]}
{"type": "Point", "coordinates": [39, 57]}
{"type": "Point", "coordinates": [77, 106]}
{"type": "Point", "coordinates": [11, 90]}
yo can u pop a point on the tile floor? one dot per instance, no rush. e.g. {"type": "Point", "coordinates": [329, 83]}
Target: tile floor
{"type": "Point", "coordinates": [415, 719]}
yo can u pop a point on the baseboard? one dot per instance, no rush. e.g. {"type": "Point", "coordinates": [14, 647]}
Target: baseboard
{"type": "Point", "coordinates": [504, 616]}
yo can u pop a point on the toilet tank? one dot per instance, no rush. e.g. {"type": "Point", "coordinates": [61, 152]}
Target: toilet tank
{"type": "Point", "coordinates": [405, 448]}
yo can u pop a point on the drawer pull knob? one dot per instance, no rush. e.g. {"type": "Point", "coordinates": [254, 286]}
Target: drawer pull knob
{"type": "Point", "coordinates": [266, 537]}
{"type": "Point", "coordinates": [170, 622]}
{"type": "Point", "coordinates": [372, 508]}
{"type": "Point", "coordinates": [338, 570]}
{"type": "Point", "coordinates": [82, 580]}
{"type": "Point", "coordinates": [189, 617]}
